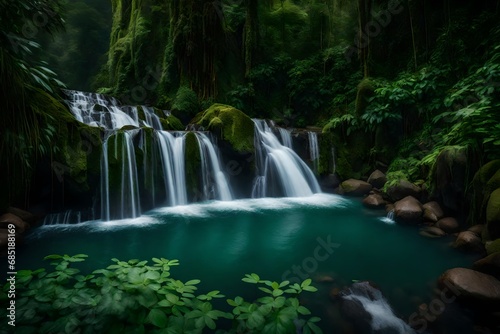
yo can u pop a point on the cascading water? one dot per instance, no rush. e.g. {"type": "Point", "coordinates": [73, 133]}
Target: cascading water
{"type": "Point", "coordinates": [211, 167]}
{"type": "Point", "coordinates": [63, 218]}
{"type": "Point", "coordinates": [286, 137]}
{"type": "Point", "coordinates": [281, 171]}
{"type": "Point", "coordinates": [124, 203]}
{"type": "Point", "coordinates": [313, 149]}
{"type": "Point", "coordinates": [172, 150]}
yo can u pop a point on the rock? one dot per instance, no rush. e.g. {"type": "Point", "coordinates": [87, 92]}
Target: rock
{"type": "Point", "coordinates": [408, 210]}
{"type": "Point", "coordinates": [448, 224]}
{"type": "Point", "coordinates": [432, 232]}
{"type": "Point", "coordinates": [493, 214]}
{"type": "Point", "coordinates": [489, 265]}
{"type": "Point", "coordinates": [403, 189]}
{"type": "Point", "coordinates": [354, 187]}
{"type": "Point", "coordinates": [10, 218]}
{"type": "Point", "coordinates": [433, 211]}
{"type": "Point", "coordinates": [24, 215]}
{"type": "Point", "coordinates": [377, 179]}
{"type": "Point", "coordinates": [469, 241]}
{"type": "Point", "coordinates": [449, 176]}
{"type": "Point", "coordinates": [389, 207]}
{"type": "Point", "coordinates": [324, 279]}
{"type": "Point", "coordinates": [331, 181]}
{"type": "Point", "coordinates": [374, 201]}
{"type": "Point", "coordinates": [470, 285]}
{"type": "Point", "coordinates": [477, 229]}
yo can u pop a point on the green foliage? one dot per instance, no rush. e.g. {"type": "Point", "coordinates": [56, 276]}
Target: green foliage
{"type": "Point", "coordinates": [186, 102]}
{"type": "Point", "coordinates": [135, 295]}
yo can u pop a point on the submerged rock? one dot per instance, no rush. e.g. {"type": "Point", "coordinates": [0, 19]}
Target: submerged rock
{"type": "Point", "coordinates": [433, 211]}
{"type": "Point", "coordinates": [432, 232]}
{"type": "Point", "coordinates": [374, 201]}
{"type": "Point", "coordinates": [377, 179]}
{"type": "Point", "coordinates": [472, 286]}
{"type": "Point", "coordinates": [354, 187]}
{"type": "Point", "coordinates": [408, 210]}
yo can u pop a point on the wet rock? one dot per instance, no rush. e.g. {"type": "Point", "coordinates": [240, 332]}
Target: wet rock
{"type": "Point", "coordinates": [377, 179]}
{"type": "Point", "coordinates": [489, 265]}
{"type": "Point", "coordinates": [403, 189]}
{"type": "Point", "coordinates": [374, 201]}
{"type": "Point", "coordinates": [472, 286]}
{"type": "Point", "coordinates": [28, 217]}
{"type": "Point", "coordinates": [432, 232]}
{"type": "Point", "coordinates": [9, 218]}
{"type": "Point", "coordinates": [433, 211]}
{"type": "Point", "coordinates": [448, 224]}
{"type": "Point", "coordinates": [477, 229]}
{"type": "Point", "coordinates": [408, 210]}
{"type": "Point", "coordinates": [354, 187]}
{"type": "Point", "coordinates": [469, 241]}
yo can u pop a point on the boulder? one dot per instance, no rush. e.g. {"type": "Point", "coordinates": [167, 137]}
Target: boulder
{"type": "Point", "coordinates": [449, 177]}
{"type": "Point", "coordinates": [24, 215]}
{"type": "Point", "coordinates": [493, 214]}
{"type": "Point", "coordinates": [432, 232]}
{"type": "Point", "coordinates": [470, 285]}
{"type": "Point", "coordinates": [374, 201]}
{"type": "Point", "coordinates": [448, 224]}
{"type": "Point", "coordinates": [9, 218]}
{"type": "Point", "coordinates": [433, 211]}
{"type": "Point", "coordinates": [403, 189]}
{"type": "Point", "coordinates": [489, 265]}
{"type": "Point", "coordinates": [477, 229]}
{"type": "Point", "coordinates": [377, 179]}
{"type": "Point", "coordinates": [354, 187]}
{"type": "Point", "coordinates": [492, 246]}
{"type": "Point", "coordinates": [469, 241]}
{"type": "Point", "coordinates": [408, 210]}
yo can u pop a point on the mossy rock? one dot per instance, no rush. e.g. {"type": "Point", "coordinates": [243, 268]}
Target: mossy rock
{"type": "Point", "coordinates": [493, 214]}
{"type": "Point", "coordinates": [486, 180]}
{"type": "Point", "coordinates": [192, 165]}
{"type": "Point", "coordinates": [171, 123]}
{"type": "Point", "coordinates": [236, 127]}
{"type": "Point", "coordinates": [366, 89]}
{"type": "Point", "coordinates": [493, 246]}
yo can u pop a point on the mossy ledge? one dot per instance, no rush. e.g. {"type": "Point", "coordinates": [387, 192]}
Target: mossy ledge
{"type": "Point", "coordinates": [232, 124]}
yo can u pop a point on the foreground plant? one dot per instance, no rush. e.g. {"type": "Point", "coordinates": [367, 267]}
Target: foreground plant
{"type": "Point", "coordinates": [135, 297]}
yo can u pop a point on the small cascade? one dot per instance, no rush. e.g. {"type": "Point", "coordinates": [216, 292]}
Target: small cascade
{"type": "Point", "coordinates": [172, 148]}
{"type": "Point", "coordinates": [286, 137]}
{"type": "Point", "coordinates": [124, 201]}
{"type": "Point", "coordinates": [63, 218]}
{"type": "Point", "coordinates": [210, 164]}
{"type": "Point", "coordinates": [382, 319]}
{"type": "Point", "coordinates": [313, 149]}
{"type": "Point", "coordinates": [152, 120]}
{"type": "Point", "coordinates": [281, 171]}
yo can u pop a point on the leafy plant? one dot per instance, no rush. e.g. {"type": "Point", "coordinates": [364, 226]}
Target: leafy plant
{"type": "Point", "coordinates": [135, 296]}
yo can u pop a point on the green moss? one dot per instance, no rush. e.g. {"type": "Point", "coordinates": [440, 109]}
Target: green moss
{"type": "Point", "coordinates": [193, 164]}
{"type": "Point", "coordinates": [366, 89]}
{"type": "Point", "coordinates": [237, 128]}
{"type": "Point", "coordinates": [171, 123]}
{"type": "Point", "coordinates": [486, 179]}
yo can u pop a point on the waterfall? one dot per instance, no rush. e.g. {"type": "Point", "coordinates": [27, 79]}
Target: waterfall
{"type": "Point", "coordinates": [313, 149]}
{"type": "Point", "coordinates": [211, 166]}
{"type": "Point", "coordinates": [281, 171]}
{"type": "Point", "coordinates": [172, 150]}
{"type": "Point", "coordinates": [286, 137]}
{"type": "Point", "coordinates": [152, 120]}
{"type": "Point", "coordinates": [63, 218]}
{"type": "Point", "coordinates": [382, 318]}
{"type": "Point", "coordinates": [124, 203]}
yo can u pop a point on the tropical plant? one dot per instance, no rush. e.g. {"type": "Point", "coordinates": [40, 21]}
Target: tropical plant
{"type": "Point", "coordinates": [136, 297]}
